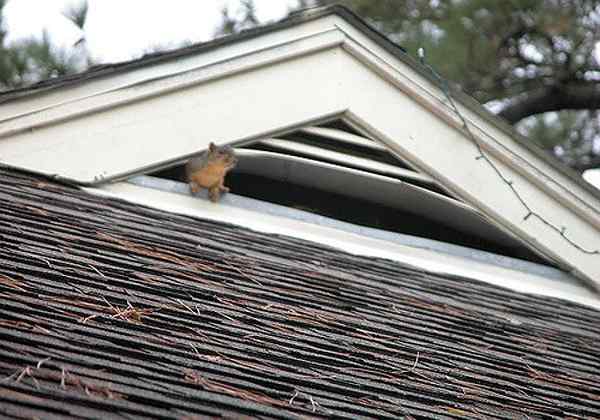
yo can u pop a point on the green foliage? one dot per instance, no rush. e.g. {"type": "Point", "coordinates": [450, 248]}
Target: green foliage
{"type": "Point", "coordinates": [232, 23]}
{"type": "Point", "coordinates": [573, 136]}
{"type": "Point", "coordinates": [35, 59]}
{"type": "Point", "coordinates": [77, 14]}
{"type": "Point", "coordinates": [493, 49]}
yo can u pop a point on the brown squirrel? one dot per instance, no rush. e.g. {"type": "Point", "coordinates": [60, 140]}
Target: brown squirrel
{"type": "Point", "coordinates": [209, 170]}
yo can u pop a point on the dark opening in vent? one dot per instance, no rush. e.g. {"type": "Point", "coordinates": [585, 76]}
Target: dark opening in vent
{"type": "Point", "coordinates": [342, 175]}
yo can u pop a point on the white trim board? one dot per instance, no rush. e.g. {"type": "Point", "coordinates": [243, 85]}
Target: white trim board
{"type": "Point", "coordinates": [150, 117]}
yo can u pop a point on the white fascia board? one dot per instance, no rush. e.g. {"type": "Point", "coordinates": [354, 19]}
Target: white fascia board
{"type": "Point", "coordinates": [350, 242]}
{"type": "Point", "coordinates": [494, 140]}
{"type": "Point", "coordinates": [328, 68]}
{"type": "Point", "coordinates": [184, 65]}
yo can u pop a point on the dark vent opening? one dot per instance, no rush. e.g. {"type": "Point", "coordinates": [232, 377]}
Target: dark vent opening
{"type": "Point", "coordinates": [354, 211]}
{"type": "Point", "coordinates": [342, 126]}
{"type": "Point", "coordinates": [281, 170]}
{"type": "Point", "coordinates": [376, 155]}
{"type": "Point", "coordinates": [359, 212]}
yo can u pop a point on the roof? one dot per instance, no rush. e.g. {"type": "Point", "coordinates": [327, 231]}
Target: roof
{"type": "Point", "coordinates": [111, 309]}
{"type": "Point", "coordinates": [300, 16]}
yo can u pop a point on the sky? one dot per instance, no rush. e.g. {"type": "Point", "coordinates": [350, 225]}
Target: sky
{"type": "Point", "coordinates": [118, 30]}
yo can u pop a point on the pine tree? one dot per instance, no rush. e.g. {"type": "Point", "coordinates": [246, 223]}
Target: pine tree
{"type": "Point", "coordinates": [232, 23]}
{"type": "Point", "coordinates": [534, 60]}
{"type": "Point", "coordinates": [30, 60]}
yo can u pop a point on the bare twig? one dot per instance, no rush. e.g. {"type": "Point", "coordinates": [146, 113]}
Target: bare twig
{"type": "Point", "coordinates": [96, 270]}
{"type": "Point", "coordinates": [223, 388]}
{"type": "Point", "coordinates": [129, 313]}
{"type": "Point", "coordinates": [416, 362]}
{"type": "Point", "coordinates": [242, 273]}
{"type": "Point", "coordinates": [293, 397]}
{"type": "Point", "coordinates": [314, 404]}
{"type": "Point", "coordinates": [27, 372]}
{"type": "Point", "coordinates": [88, 318]}
{"type": "Point", "coordinates": [22, 373]}
{"type": "Point", "coordinates": [41, 362]}
{"type": "Point", "coordinates": [90, 389]}
{"type": "Point", "coordinates": [63, 377]}
{"type": "Point", "coordinates": [12, 283]}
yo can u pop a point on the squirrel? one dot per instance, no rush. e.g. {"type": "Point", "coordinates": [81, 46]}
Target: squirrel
{"type": "Point", "coordinates": [209, 170]}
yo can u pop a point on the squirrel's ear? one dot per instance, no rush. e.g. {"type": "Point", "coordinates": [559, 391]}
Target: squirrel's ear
{"type": "Point", "coordinates": [212, 147]}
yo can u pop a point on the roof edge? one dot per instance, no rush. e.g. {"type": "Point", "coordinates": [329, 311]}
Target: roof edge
{"type": "Point", "coordinates": [109, 69]}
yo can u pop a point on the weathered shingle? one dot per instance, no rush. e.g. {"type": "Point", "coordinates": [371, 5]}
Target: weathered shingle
{"type": "Point", "coordinates": [113, 310]}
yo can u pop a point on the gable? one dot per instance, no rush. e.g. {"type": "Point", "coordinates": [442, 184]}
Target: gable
{"type": "Point", "coordinates": [323, 67]}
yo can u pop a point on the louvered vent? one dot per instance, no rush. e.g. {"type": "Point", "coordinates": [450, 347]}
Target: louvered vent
{"type": "Point", "coordinates": [333, 171]}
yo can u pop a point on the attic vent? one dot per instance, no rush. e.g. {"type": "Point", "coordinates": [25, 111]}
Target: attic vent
{"type": "Point", "coordinates": [333, 171]}
{"type": "Point", "coordinates": [345, 150]}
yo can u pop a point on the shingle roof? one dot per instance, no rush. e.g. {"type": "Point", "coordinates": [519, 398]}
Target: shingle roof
{"type": "Point", "coordinates": [113, 310]}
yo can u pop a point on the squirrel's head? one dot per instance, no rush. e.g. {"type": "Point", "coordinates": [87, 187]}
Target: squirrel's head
{"type": "Point", "coordinates": [222, 154]}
